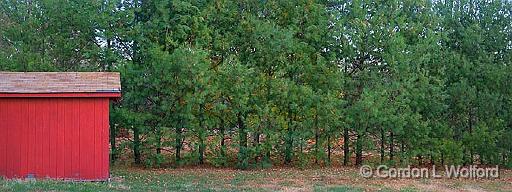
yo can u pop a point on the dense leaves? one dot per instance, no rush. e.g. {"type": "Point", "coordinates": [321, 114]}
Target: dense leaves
{"type": "Point", "coordinates": [253, 83]}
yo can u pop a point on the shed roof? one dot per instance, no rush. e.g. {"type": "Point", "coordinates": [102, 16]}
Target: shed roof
{"type": "Point", "coordinates": [60, 82]}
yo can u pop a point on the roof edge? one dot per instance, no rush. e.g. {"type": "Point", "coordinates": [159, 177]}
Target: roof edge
{"type": "Point", "coordinates": [61, 95]}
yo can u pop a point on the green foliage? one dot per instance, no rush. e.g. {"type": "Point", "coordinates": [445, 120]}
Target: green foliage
{"type": "Point", "coordinates": [256, 83]}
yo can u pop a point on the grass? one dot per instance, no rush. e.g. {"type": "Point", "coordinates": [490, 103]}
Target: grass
{"type": "Point", "coordinates": [275, 179]}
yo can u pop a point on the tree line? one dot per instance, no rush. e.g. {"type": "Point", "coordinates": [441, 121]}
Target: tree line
{"type": "Point", "coordinates": [256, 83]}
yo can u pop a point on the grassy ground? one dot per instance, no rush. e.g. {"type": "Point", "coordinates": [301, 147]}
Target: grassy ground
{"type": "Point", "coordinates": [285, 179]}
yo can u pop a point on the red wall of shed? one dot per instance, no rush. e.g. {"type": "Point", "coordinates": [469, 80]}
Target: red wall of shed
{"type": "Point", "coordinates": [54, 138]}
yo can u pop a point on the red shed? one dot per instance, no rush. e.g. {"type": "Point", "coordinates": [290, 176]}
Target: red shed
{"type": "Point", "coordinates": [56, 125]}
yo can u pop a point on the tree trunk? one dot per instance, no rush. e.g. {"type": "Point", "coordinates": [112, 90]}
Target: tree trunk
{"type": "Point", "coordinates": [402, 151]}
{"type": "Point", "coordinates": [471, 134]}
{"type": "Point", "coordinates": [301, 147]}
{"type": "Point", "coordinates": [242, 152]}
{"type": "Point", "coordinates": [268, 149]}
{"type": "Point", "coordinates": [316, 139]}
{"type": "Point", "coordinates": [346, 149]}
{"type": "Point", "coordinates": [159, 141]}
{"type": "Point", "coordinates": [256, 145]}
{"type": "Point", "coordinates": [289, 141]}
{"type": "Point", "coordinates": [202, 135]}
{"type": "Point", "coordinates": [202, 147]}
{"type": "Point", "coordinates": [178, 141]}
{"type": "Point", "coordinates": [136, 61]}
{"type": "Point", "coordinates": [329, 148]}
{"type": "Point", "coordinates": [391, 146]}
{"type": "Point", "coordinates": [113, 147]}
{"type": "Point", "coordinates": [268, 145]}
{"type": "Point", "coordinates": [289, 147]}
{"type": "Point", "coordinates": [222, 139]}
{"type": "Point", "coordinates": [136, 145]}
{"type": "Point", "coordinates": [442, 158]}
{"type": "Point", "coordinates": [359, 150]}
{"type": "Point", "coordinates": [432, 160]}
{"type": "Point", "coordinates": [382, 144]}
{"type": "Point", "coordinates": [106, 64]}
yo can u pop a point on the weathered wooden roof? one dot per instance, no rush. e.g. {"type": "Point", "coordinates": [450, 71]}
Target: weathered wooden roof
{"type": "Point", "coordinates": [59, 82]}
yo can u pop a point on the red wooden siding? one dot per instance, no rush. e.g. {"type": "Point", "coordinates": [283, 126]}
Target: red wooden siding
{"type": "Point", "coordinates": [54, 137]}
